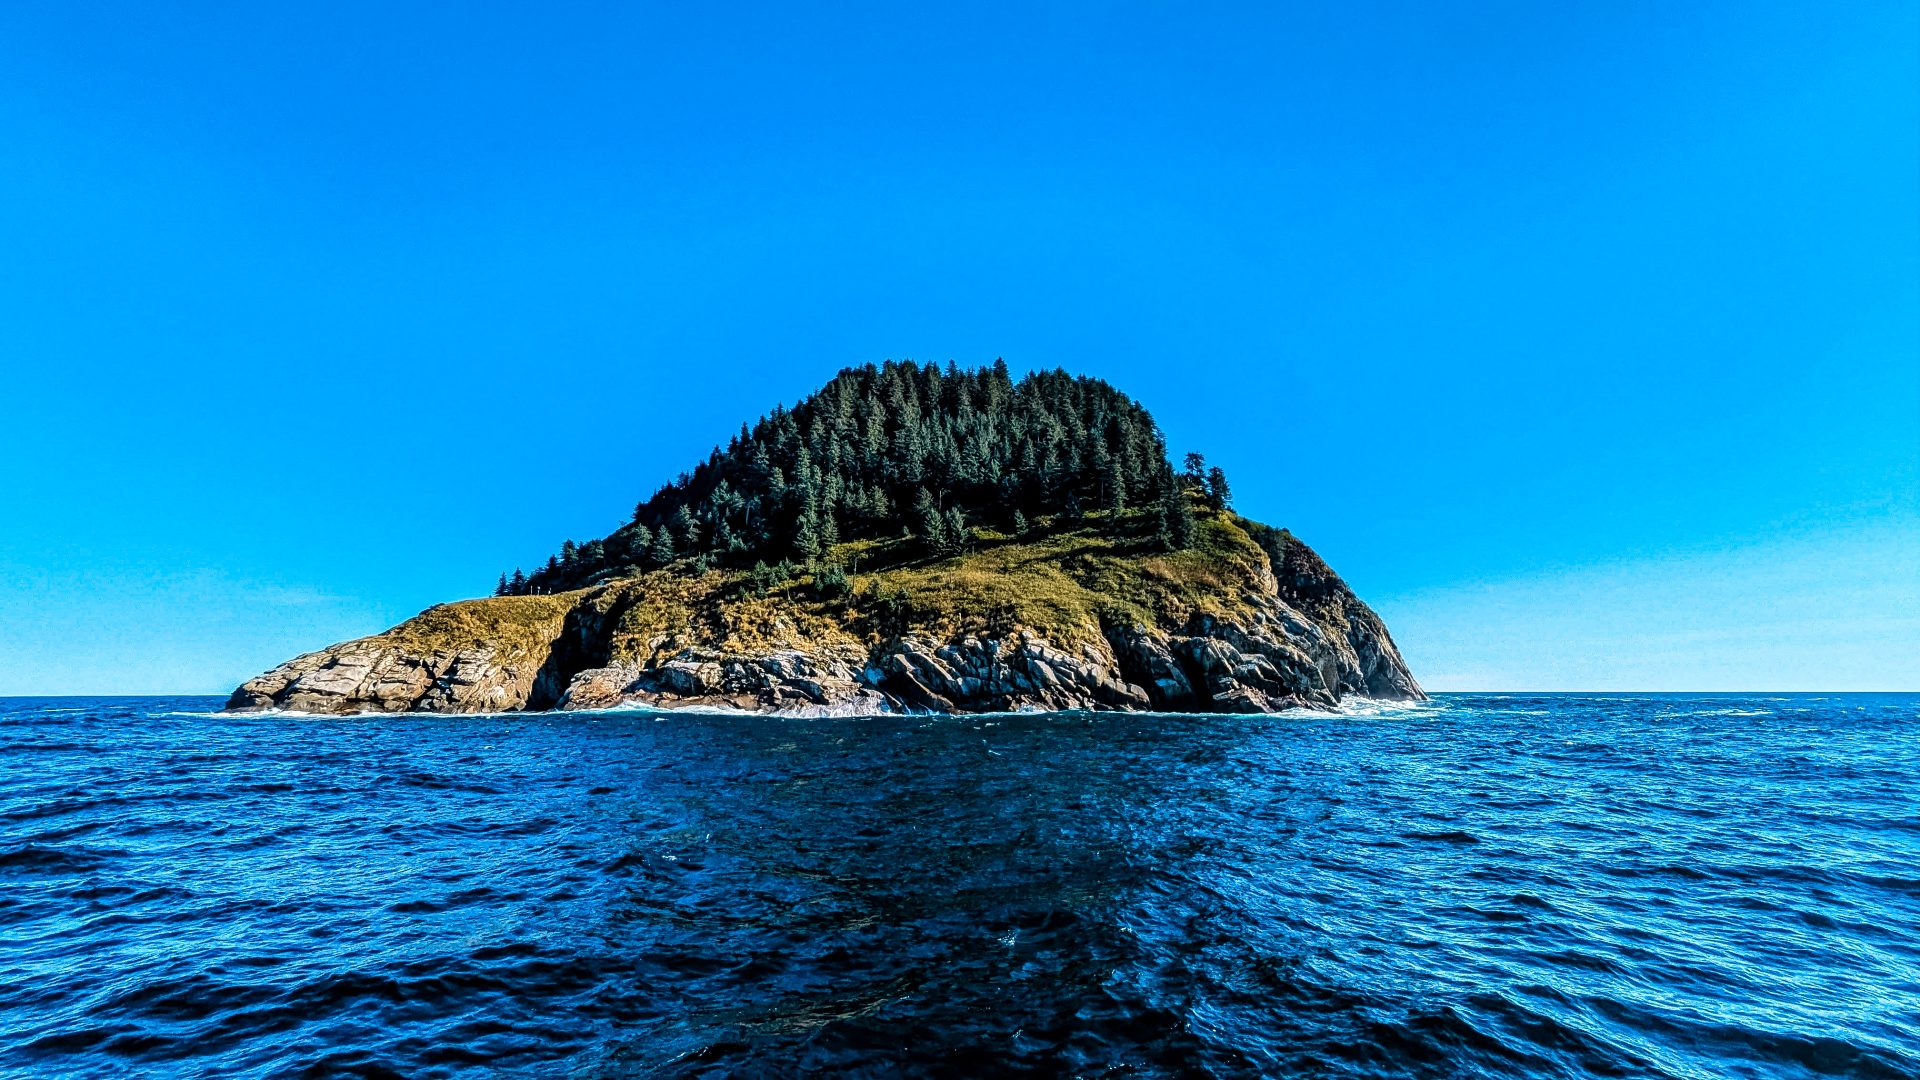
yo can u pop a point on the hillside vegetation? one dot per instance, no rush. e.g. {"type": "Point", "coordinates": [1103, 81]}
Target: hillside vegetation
{"type": "Point", "coordinates": [905, 538]}
{"type": "Point", "coordinates": [1066, 586]}
{"type": "Point", "coordinates": [903, 451]}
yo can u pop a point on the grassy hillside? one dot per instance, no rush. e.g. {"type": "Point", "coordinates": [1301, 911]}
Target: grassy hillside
{"type": "Point", "coordinates": [1062, 581]}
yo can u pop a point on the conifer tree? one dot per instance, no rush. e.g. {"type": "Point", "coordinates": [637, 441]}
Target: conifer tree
{"type": "Point", "coordinates": [1219, 496]}
{"type": "Point", "coordinates": [954, 531]}
{"type": "Point", "coordinates": [883, 450]}
{"type": "Point", "coordinates": [1172, 518]}
{"type": "Point", "coordinates": [929, 523]}
{"type": "Point", "coordinates": [1193, 473]}
{"type": "Point", "coordinates": [501, 589]}
{"type": "Point", "coordinates": [806, 538]}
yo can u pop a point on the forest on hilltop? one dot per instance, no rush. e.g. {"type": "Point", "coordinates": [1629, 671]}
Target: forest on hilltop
{"type": "Point", "coordinates": [903, 449]}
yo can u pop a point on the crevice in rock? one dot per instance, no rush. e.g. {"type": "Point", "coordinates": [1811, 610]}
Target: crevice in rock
{"type": "Point", "coordinates": [585, 641]}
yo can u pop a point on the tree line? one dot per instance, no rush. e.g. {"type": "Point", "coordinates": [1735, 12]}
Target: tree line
{"type": "Point", "coordinates": [902, 449]}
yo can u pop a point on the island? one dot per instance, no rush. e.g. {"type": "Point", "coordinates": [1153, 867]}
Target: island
{"type": "Point", "coordinates": [907, 538]}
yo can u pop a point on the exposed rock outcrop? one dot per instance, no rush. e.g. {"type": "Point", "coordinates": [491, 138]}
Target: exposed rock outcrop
{"type": "Point", "coordinates": [1292, 636]}
{"type": "Point", "coordinates": [478, 656]}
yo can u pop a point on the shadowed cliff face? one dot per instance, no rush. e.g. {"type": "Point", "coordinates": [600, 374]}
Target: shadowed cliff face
{"type": "Point", "coordinates": [1238, 627]}
{"type": "Point", "coordinates": [1374, 667]}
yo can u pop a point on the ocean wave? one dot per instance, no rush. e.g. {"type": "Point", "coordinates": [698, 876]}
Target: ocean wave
{"type": "Point", "coordinates": [1515, 886]}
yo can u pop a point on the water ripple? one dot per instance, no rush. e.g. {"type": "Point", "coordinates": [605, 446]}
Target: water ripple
{"type": "Point", "coordinates": [1498, 886]}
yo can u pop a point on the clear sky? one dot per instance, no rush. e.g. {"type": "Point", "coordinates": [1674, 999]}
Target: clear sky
{"type": "Point", "coordinates": [1584, 340]}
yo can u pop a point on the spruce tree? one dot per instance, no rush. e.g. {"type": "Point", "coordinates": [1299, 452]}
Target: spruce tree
{"type": "Point", "coordinates": [1219, 496]}
{"type": "Point", "coordinates": [806, 539]}
{"type": "Point", "coordinates": [1194, 473]}
{"type": "Point", "coordinates": [929, 523]}
{"type": "Point", "coordinates": [1172, 517]}
{"type": "Point", "coordinates": [760, 578]}
{"type": "Point", "coordinates": [1180, 521]}
{"type": "Point", "coordinates": [854, 458]}
{"type": "Point", "coordinates": [954, 531]}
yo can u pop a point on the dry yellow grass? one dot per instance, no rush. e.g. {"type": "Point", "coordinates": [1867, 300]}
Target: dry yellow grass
{"type": "Point", "coordinates": [512, 625]}
{"type": "Point", "coordinates": [1064, 586]}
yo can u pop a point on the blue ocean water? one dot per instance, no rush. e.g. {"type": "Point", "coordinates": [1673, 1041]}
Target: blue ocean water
{"type": "Point", "coordinates": [1683, 886]}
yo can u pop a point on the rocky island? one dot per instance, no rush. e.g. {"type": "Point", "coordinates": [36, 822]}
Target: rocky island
{"type": "Point", "coordinates": [906, 538]}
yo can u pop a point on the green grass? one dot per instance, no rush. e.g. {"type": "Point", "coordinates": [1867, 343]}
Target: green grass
{"type": "Point", "coordinates": [1063, 583]}
{"type": "Point", "coordinates": [512, 625]}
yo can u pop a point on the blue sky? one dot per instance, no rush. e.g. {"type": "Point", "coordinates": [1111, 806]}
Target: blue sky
{"type": "Point", "coordinates": [1584, 341]}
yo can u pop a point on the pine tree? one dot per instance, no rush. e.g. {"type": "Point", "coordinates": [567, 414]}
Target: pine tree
{"type": "Point", "coordinates": [501, 589]}
{"type": "Point", "coordinates": [1180, 522]}
{"type": "Point", "coordinates": [831, 583]}
{"type": "Point", "coordinates": [1194, 472]}
{"type": "Point", "coordinates": [1172, 517]}
{"type": "Point", "coordinates": [517, 584]}
{"type": "Point", "coordinates": [929, 523]}
{"type": "Point", "coordinates": [854, 459]}
{"type": "Point", "coordinates": [806, 538]}
{"type": "Point", "coordinates": [760, 579]}
{"type": "Point", "coordinates": [954, 532]}
{"type": "Point", "coordinates": [1219, 496]}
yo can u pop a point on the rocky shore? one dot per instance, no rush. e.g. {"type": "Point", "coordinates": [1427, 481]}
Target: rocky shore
{"type": "Point", "coordinates": [1292, 635]}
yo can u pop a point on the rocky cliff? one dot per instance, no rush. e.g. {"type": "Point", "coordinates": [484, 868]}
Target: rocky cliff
{"type": "Point", "coordinates": [1249, 620]}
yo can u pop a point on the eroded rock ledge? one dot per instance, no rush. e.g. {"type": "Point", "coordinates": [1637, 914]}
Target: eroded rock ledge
{"type": "Point", "coordinates": [1297, 638]}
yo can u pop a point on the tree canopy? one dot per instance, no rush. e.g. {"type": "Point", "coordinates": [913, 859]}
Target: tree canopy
{"type": "Point", "coordinates": [900, 448]}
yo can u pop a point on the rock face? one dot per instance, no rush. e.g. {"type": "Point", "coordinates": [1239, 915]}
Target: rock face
{"type": "Point", "coordinates": [1299, 638]}
{"type": "Point", "coordinates": [370, 676]}
{"type": "Point", "coordinates": [787, 681]}
{"type": "Point", "coordinates": [480, 656]}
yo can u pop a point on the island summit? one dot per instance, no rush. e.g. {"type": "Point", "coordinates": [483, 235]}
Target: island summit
{"type": "Point", "coordinates": [907, 538]}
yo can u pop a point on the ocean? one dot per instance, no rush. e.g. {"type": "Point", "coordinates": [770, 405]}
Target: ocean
{"type": "Point", "coordinates": [1479, 886]}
